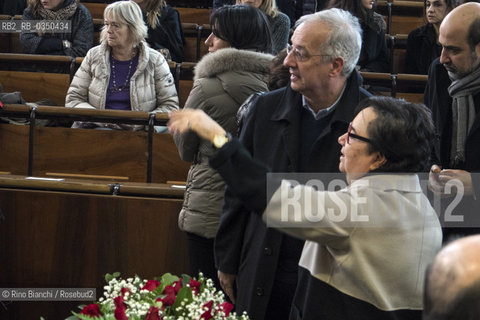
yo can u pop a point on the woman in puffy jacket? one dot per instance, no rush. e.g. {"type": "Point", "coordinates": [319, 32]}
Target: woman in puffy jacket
{"type": "Point", "coordinates": [123, 73]}
{"type": "Point", "coordinates": [235, 68]}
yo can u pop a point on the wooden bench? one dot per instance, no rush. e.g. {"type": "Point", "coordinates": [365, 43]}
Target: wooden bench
{"type": "Point", "coordinates": [398, 51]}
{"type": "Point", "coordinates": [402, 16]}
{"type": "Point", "coordinates": [407, 86]}
{"type": "Point", "coordinates": [139, 156]}
{"type": "Point", "coordinates": [195, 36]}
{"type": "Point", "coordinates": [69, 234]}
{"type": "Point", "coordinates": [36, 86]}
{"type": "Point", "coordinates": [195, 15]}
{"type": "Point", "coordinates": [189, 14]}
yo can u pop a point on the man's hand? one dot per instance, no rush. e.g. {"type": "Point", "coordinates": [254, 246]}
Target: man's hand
{"type": "Point", "coordinates": [227, 281]}
{"type": "Point", "coordinates": [439, 178]}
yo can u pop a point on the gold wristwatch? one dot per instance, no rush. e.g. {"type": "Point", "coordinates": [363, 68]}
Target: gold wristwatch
{"type": "Point", "coordinates": [220, 139]}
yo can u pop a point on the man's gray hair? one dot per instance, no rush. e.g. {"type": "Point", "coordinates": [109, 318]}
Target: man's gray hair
{"type": "Point", "coordinates": [344, 39]}
{"type": "Point", "coordinates": [127, 12]}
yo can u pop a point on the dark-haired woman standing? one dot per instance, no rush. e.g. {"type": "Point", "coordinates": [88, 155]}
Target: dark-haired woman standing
{"type": "Point", "coordinates": [235, 68]}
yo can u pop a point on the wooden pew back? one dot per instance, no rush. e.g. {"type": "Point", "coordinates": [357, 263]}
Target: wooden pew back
{"type": "Point", "coordinates": [69, 234]}
{"type": "Point", "coordinates": [60, 152]}
{"type": "Point", "coordinates": [35, 86]}
{"type": "Point", "coordinates": [402, 16]}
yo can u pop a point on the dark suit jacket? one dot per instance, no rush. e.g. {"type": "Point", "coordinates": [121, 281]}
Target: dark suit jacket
{"type": "Point", "coordinates": [436, 97]}
{"type": "Point", "coordinates": [244, 245]}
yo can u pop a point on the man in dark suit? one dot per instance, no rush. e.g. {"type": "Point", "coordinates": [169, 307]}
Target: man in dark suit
{"type": "Point", "coordinates": [292, 129]}
{"type": "Point", "coordinates": [453, 95]}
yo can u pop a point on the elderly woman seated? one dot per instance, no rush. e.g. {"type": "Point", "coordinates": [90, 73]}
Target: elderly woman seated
{"type": "Point", "coordinates": [368, 244]}
{"type": "Point", "coordinates": [123, 73]}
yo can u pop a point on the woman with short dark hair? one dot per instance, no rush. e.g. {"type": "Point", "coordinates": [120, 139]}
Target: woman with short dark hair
{"type": "Point", "coordinates": [368, 244]}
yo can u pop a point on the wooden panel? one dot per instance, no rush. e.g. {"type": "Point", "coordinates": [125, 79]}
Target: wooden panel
{"type": "Point", "coordinates": [90, 152]}
{"type": "Point", "coordinates": [405, 24]}
{"type": "Point", "coordinates": [35, 86]}
{"type": "Point", "coordinates": [96, 9]}
{"type": "Point", "coordinates": [398, 61]}
{"type": "Point", "coordinates": [194, 15]}
{"type": "Point", "coordinates": [184, 92]}
{"type": "Point", "coordinates": [60, 239]}
{"type": "Point", "coordinates": [14, 146]}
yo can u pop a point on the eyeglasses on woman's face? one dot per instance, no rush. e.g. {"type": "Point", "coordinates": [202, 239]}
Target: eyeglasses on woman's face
{"type": "Point", "coordinates": [355, 136]}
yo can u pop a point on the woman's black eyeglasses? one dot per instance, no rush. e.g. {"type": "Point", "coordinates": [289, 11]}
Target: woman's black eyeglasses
{"type": "Point", "coordinates": [355, 136]}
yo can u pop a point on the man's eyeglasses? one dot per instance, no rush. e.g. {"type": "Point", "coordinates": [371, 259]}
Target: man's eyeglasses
{"type": "Point", "coordinates": [355, 136]}
{"type": "Point", "coordinates": [300, 55]}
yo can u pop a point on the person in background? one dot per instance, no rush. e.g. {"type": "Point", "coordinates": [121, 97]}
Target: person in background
{"type": "Point", "coordinates": [277, 78]}
{"type": "Point", "coordinates": [123, 73]}
{"type": "Point", "coordinates": [452, 282]}
{"type": "Point", "coordinates": [453, 95]}
{"type": "Point", "coordinates": [235, 67]}
{"type": "Point", "coordinates": [374, 56]}
{"type": "Point", "coordinates": [164, 28]}
{"type": "Point", "coordinates": [422, 43]}
{"type": "Point", "coordinates": [279, 22]}
{"type": "Point", "coordinates": [75, 43]}
{"type": "Point", "coordinates": [368, 244]}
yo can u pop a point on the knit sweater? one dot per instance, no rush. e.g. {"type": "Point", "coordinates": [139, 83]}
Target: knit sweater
{"type": "Point", "coordinates": [280, 27]}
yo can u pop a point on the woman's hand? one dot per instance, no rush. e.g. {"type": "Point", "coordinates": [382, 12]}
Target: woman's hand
{"type": "Point", "coordinates": [196, 120]}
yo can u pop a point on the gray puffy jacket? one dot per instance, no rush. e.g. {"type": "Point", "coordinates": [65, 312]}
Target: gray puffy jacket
{"type": "Point", "coordinates": [223, 81]}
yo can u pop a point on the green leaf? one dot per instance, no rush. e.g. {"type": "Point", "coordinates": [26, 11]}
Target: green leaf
{"type": "Point", "coordinates": [167, 279]}
{"type": "Point", "coordinates": [109, 277]}
{"type": "Point", "coordinates": [185, 294]}
{"type": "Point", "coordinates": [185, 279]}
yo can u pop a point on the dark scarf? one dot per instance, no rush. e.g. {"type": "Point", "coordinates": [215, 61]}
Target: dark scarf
{"type": "Point", "coordinates": [463, 113]}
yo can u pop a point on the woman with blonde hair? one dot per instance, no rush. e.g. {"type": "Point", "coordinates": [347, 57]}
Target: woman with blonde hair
{"type": "Point", "coordinates": [165, 32]}
{"type": "Point", "coordinates": [123, 73]}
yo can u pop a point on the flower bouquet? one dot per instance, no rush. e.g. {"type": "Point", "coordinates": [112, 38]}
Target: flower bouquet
{"type": "Point", "coordinates": [166, 298]}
